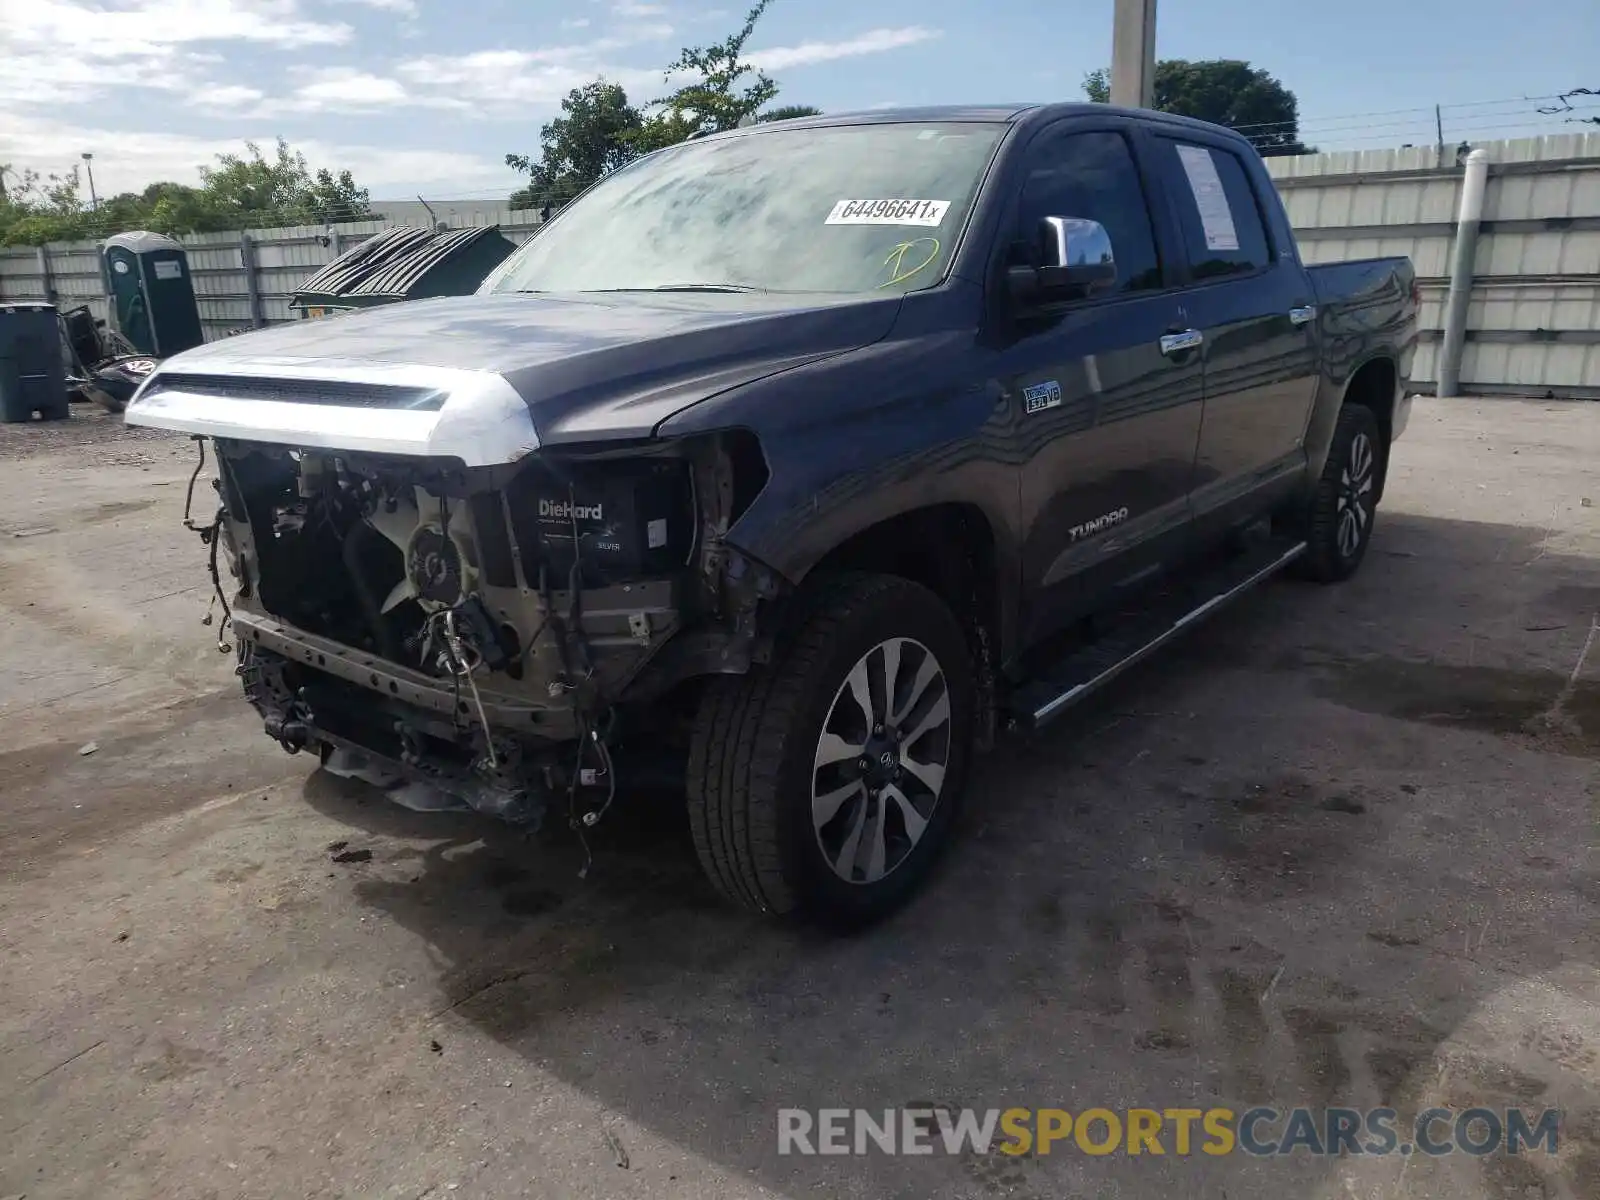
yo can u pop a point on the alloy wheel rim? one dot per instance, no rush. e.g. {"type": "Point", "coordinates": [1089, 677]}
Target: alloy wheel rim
{"type": "Point", "coordinates": [1355, 496]}
{"type": "Point", "coordinates": [879, 768]}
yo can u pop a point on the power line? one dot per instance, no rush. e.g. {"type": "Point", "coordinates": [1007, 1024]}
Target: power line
{"type": "Point", "coordinates": [1426, 111]}
{"type": "Point", "coordinates": [1461, 134]}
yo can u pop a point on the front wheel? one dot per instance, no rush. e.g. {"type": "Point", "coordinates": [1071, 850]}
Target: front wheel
{"type": "Point", "coordinates": [1345, 502]}
{"type": "Point", "coordinates": [826, 783]}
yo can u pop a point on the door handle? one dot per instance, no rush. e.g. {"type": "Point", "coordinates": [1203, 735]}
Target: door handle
{"type": "Point", "coordinates": [1303, 314]}
{"type": "Point", "coordinates": [1177, 343]}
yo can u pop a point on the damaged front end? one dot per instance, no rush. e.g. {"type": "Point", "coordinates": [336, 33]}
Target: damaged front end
{"type": "Point", "coordinates": [493, 632]}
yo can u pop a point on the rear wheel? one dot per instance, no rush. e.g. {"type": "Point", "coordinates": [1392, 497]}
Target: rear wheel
{"type": "Point", "coordinates": [826, 783]}
{"type": "Point", "coordinates": [1345, 503]}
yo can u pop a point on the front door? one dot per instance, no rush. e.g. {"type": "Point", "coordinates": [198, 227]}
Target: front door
{"type": "Point", "coordinates": [1249, 299]}
{"type": "Point", "coordinates": [1107, 417]}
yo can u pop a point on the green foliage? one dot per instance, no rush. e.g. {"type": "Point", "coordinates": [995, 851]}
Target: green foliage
{"type": "Point", "coordinates": [240, 192]}
{"type": "Point", "coordinates": [1224, 91]}
{"type": "Point", "coordinates": [599, 130]}
{"type": "Point", "coordinates": [721, 89]}
{"type": "Point", "coordinates": [587, 140]}
{"type": "Point", "coordinates": [788, 112]}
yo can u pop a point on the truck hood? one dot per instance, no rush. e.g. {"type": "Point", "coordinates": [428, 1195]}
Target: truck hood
{"type": "Point", "coordinates": [487, 379]}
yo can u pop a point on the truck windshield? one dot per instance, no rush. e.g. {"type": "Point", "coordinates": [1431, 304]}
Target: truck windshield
{"type": "Point", "coordinates": [851, 208]}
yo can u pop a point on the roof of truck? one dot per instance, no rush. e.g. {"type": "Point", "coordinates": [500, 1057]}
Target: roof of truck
{"type": "Point", "coordinates": [1007, 113]}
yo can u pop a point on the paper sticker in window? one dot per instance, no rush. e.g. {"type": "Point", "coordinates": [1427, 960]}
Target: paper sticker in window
{"type": "Point", "coordinates": [927, 213]}
{"type": "Point", "coordinates": [1215, 216]}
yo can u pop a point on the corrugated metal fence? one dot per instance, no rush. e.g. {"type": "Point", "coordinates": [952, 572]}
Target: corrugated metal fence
{"type": "Point", "coordinates": [1533, 327]}
{"type": "Point", "coordinates": [69, 272]}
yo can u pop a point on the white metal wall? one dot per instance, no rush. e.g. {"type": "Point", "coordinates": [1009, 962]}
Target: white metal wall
{"type": "Point", "coordinates": [283, 258]}
{"type": "Point", "coordinates": [1533, 327]}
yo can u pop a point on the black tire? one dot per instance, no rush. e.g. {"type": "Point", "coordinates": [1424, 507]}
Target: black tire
{"type": "Point", "coordinates": [1338, 526]}
{"type": "Point", "coordinates": [756, 739]}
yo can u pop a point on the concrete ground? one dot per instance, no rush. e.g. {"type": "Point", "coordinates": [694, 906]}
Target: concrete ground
{"type": "Point", "coordinates": [1339, 847]}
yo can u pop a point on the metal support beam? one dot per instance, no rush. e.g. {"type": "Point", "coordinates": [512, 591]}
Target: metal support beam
{"type": "Point", "coordinates": [1473, 185]}
{"type": "Point", "coordinates": [47, 280]}
{"type": "Point", "coordinates": [252, 281]}
{"type": "Point", "coordinates": [1133, 54]}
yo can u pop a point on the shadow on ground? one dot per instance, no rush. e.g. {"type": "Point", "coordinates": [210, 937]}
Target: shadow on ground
{"type": "Point", "coordinates": [1243, 875]}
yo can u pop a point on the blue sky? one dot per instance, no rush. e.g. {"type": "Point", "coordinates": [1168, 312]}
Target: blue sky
{"type": "Point", "coordinates": [428, 95]}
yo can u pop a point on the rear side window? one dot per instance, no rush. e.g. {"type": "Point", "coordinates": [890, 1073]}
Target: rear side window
{"type": "Point", "coordinates": [1093, 176]}
{"type": "Point", "coordinates": [1223, 233]}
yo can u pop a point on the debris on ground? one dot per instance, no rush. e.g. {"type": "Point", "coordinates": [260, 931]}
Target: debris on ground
{"type": "Point", "coordinates": [617, 1148]}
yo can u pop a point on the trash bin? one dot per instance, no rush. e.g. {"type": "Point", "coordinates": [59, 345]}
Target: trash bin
{"type": "Point", "coordinates": [33, 378]}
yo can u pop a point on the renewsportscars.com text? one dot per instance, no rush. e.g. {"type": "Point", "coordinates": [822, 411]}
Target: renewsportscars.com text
{"type": "Point", "coordinates": [1261, 1131]}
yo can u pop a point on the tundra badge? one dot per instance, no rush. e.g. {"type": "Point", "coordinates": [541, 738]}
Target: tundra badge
{"type": "Point", "coordinates": [1115, 517]}
{"type": "Point", "coordinates": [1040, 396]}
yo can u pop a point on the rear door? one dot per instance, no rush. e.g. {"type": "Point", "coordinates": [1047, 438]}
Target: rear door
{"type": "Point", "coordinates": [1251, 300]}
{"type": "Point", "coordinates": [1106, 420]}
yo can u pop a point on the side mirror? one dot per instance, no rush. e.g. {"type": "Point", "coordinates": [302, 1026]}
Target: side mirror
{"type": "Point", "coordinates": [1074, 262]}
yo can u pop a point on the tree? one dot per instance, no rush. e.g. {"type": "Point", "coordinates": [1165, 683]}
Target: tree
{"type": "Point", "coordinates": [788, 112]}
{"type": "Point", "coordinates": [44, 208]}
{"type": "Point", "coordinates": [723, 89]}
{"type": "Point", "coordinates": [241, 191]}
{"type": "Point", "coordinates": [281, 190]}
{"type": "Point", "coordinates": [589, 139]}
{"type": "Point", "coordinates": [1224, 91]}
{"type": "Point", "coordinates": [599, 130]}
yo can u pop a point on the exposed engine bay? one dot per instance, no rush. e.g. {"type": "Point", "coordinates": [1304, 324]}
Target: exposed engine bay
{"type": "Point", "coordinates": [494, 632]}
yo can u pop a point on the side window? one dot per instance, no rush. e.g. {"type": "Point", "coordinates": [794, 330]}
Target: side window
{"type": "Point", "coordinates": [1223, 233]}
{"type": "Point", "coordinates": [1091, 175]}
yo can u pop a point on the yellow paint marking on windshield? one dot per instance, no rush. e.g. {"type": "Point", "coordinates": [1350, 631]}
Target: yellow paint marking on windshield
{"type": "Point", "coordinates": [896, 261]}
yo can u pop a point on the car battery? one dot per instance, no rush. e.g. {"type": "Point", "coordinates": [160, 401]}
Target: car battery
{"type": "Point", "coordinates": [622, 520]}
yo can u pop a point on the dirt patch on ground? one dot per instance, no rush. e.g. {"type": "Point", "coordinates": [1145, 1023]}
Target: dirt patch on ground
{"type": "Point", "coordinates": [1533, 708]}
{"type": "Point", "coordinates": [89, 428]}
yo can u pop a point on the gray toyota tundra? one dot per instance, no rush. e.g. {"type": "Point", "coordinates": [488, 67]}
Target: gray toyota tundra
{"type": "Point", "coordinates": [802, 461]}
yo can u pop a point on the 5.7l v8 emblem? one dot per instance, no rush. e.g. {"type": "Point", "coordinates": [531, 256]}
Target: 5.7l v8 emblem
{"type": "Point", "coordinates": [1040, 396]}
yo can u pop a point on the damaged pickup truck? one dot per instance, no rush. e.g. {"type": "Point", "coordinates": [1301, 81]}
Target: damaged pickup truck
{"type": "Point", "coordinates": [807, 457]}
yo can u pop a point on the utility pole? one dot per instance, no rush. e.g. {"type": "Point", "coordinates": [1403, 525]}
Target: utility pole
{"type": "Point", "coordinates": [1133, 53]}
{"type": "Point", "coordinates": [88, 162]}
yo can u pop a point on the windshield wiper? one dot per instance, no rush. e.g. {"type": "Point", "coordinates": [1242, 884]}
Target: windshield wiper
{"type": "Point", "coordinates": [692, 287]}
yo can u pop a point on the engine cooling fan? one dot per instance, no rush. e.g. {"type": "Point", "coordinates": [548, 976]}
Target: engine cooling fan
{"type": "Point", "coordinates": [441, 567]}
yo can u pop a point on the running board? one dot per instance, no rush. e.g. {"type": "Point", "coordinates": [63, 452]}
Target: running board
{"type": "Point", "coordinates": [1101, 661]}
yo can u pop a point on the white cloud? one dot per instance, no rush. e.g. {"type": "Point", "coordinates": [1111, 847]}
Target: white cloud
{"type": "Point", "coordinates": [632, 8]}
{"type": "Point", "coordinates": [407, 7]}
{"type": "Point", "coordinates": [145, 27]}
{"type": "Point", "coordinates": [874, 41]}
{"type": "Point", "coordinates": [55, 52]}
{"type": "Point", "coordinates": [508, 82]}
{"type": "Point", "coordinates": [126, 160]}
{"type": "Point", "coordinates": [225, 96]}
{"type": "Point", "coordinates": [575, 23]}
{"type": "Point", "coordinates": [345, 88]}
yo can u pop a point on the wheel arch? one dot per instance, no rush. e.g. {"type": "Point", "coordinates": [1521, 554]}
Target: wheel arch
{"type": "Point", "coordinates": [1375, 385]}
{"type": "Point", "coordinates": [954, 549]}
